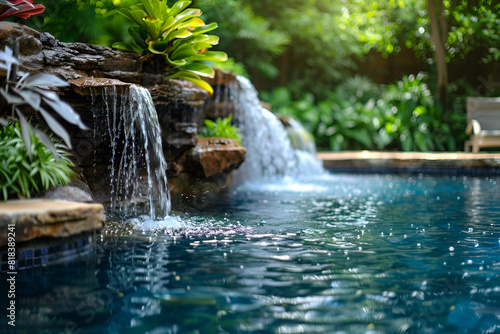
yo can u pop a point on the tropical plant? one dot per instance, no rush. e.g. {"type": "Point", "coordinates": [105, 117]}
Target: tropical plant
{"type": "Point", "coordinates": [250, 38]}
{"type": "Point", "coordinates": [402, 116]}
{"type": "Point", "coordinates": [350, 118]}
{"type": "Point", "coordinates": [361, 87]}
{"type": "Point", "coordinates": [26, 172]}
{"type": "Point", "coordinates": [19, 8]}
{"type": "Point", "coordinates": [417, 121]}
{"type": "Point", "coordinates": [222, 127]}
{"type": "Point", "coordinates": [175, 33]}
{"type": "Point", "coordinates": [26, 89]}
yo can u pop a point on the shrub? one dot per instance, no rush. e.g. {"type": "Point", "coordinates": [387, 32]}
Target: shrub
{"type": "Point", "coordinates": [177, 35]}
{"type": "Point", "coordinates": [362, 115]}
{"type": "Point", "coordinates": [25, 175]}
{"type": "Point", "coordinates": [31, 160]}
{"type": "Point", "coordinates": [222, 127]}
{"type": "Point", "coordinates": [25, 89]}
{"type": "Point", "coordinates": [417, 120]}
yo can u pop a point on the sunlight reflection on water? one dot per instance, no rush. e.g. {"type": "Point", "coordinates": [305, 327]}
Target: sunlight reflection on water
{"type": "Point", "coordinates": [352, 255]}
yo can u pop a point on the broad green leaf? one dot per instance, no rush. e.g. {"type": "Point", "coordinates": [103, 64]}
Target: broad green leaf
{"type": "Point", "coordinates": [149, 8]}
{"type": "Point", "coordinates": [188, 13]}
{"type": "Point", "coordinates": [182, 33]}
{"type": "Point", "coordinates": [206, 28]}
{"type": "Point", "coordinates": [183, 52]}
{"type": "Point", "coordinates": [201, 46]}
{"type": "Point", "coordinates": [212, 39]}
{"type": "Point", "coordinates": [139, 36]}
{"type": "Point", "coordinates": [135, 16]}
{"type": "Point", "coordinates": [194, 78]}
{"type": "Point", "coordinates": [161, 47]}
{"type": "Point", "coordinates": [202, 84]}
{"type": "Point", "coordinates": [178, 7]}
{"type": "Point", "coordinates": [152, 48]}
{"type": "Point", "coordinates": [210, 56]}
{"type": "Point", "coordinates": [179, 62]}
{"type": "Point", "coordinates": [194, 22]}
{"type": "Point", "coordinates": [167, 24]}
{"type": "Point", "coordinates": [122, 46]}
{"type": "Point", "coordinates": [182, 74]}
{"type": "Point", "coordinates": [153, 26]}
{"type": "Point", "coordinates": [199, 69]}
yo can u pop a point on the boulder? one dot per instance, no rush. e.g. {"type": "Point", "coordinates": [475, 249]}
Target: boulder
{"type": "Point", "coordinates": [41, 218]}
{"type": "Point", "coordinates": [213, 156]}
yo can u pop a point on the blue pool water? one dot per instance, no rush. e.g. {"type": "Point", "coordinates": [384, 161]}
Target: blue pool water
{"type": "Point", "coordinates": [336, 254]}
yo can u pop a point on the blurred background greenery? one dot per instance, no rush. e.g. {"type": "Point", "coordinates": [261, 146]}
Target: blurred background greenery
{"type": "Point", "coordinates": [359, 74]}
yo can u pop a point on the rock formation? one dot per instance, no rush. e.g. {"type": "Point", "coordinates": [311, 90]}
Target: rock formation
{"type": "Point", "coordinates": [93, 71]}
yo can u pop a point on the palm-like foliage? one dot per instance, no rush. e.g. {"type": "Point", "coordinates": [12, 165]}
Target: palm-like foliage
{"type": "Point", "coordinates": [23, 174]}
{"type": "Point", "coordinates": [222, 128]}
{"type": "Point", "coordinates": [178, 34]}
{"type": "Point", "coordinates": [25, 88]}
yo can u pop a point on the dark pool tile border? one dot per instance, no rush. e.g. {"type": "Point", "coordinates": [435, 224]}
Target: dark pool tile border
{"type": "Point", "coordinates": [49, 251]}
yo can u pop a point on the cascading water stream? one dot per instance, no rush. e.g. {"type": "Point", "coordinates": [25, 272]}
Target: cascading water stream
{"type": "Point", "coordinates": [270, 155]}
{"type": "Point", "coordinates": [138, 167]}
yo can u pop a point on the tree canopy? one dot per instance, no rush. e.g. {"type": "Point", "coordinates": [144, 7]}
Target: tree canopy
{"type": "Point", "coordinates": [307, 45]}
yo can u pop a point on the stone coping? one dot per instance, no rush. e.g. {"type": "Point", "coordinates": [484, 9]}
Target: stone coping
{"type": "Point", "coordinates": [38, 218]}
{"type": "Point", "coordinates": [435, 162]}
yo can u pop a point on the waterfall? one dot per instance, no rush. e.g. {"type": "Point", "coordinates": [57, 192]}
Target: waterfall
{"type": "Point", "coordinates": [137, 165]}
{"type": "Point", "coordinates": [270, 155]}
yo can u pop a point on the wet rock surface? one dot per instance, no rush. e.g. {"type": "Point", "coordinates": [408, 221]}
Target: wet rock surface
{"type": "Point", "coordinates": [41, 52]}
{"type": "Point", "coordinates": [68, 193]}
{"type": "Point", "coordinates": [96, 72]}
{"type": "Point", "coordinates": [217, 155]}
{"type": "Point", "coordinates": [41, 218]}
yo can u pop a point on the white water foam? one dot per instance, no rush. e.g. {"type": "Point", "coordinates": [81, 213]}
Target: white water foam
{"type": "Point", "coordinates": [135, 115]}
{"type": "Point", "coordinates": [270, 155]}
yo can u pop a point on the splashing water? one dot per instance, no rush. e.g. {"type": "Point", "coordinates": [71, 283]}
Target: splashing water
{"type": "Point", "coordinates": [270, 155]}
{"type": "Point", "coordinates": [141, 172]}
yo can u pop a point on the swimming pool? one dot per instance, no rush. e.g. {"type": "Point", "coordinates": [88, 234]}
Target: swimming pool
{"type": "Point", "coordinates": [334, 254]}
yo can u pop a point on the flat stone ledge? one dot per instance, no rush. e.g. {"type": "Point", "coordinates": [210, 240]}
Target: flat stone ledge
{"type": "Point", "coordinates": [395, 158]}
{"type": "Point", "coordinates": [48, 218]}
{"type": "Point", "coordinates": [402, 162]}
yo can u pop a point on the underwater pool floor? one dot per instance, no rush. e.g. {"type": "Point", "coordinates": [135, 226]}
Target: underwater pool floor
{"type": "Point", "coordinates": [338, 253]}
